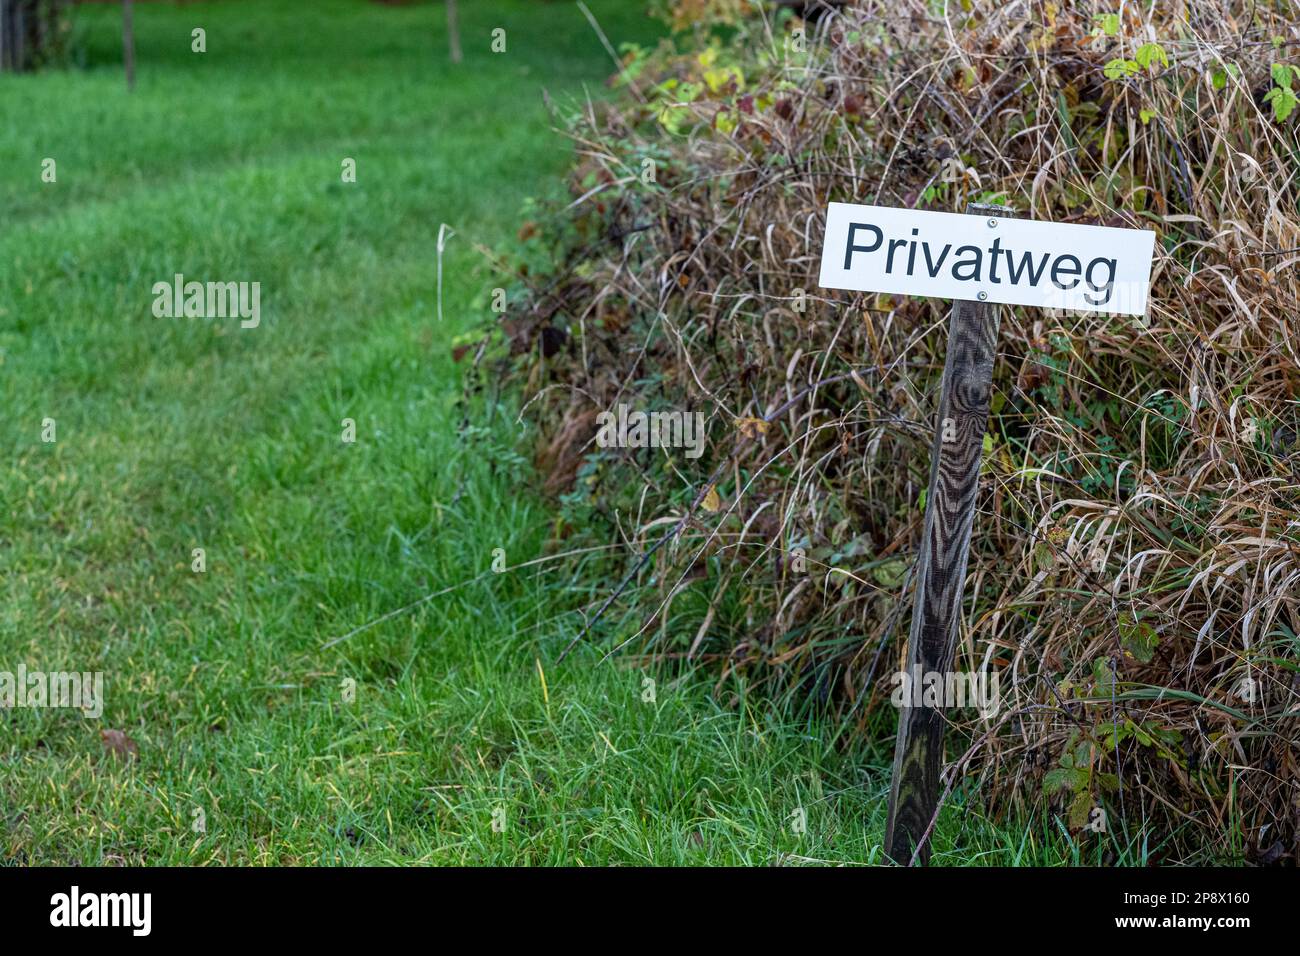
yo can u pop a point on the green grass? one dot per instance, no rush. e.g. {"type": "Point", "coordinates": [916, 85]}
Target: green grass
{"type": "Point", "coordinates": [175, 434]}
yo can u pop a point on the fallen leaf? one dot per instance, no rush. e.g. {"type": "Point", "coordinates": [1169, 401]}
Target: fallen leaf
{"type": "Point", "coordinates": [751, 427]}
{"type": "Point", "coordinates": [119, 744]}
{"type": "Point", "coordinates": [1267, 857]}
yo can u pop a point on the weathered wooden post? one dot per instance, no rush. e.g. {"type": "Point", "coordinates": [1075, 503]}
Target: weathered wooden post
{"type": "Point", "coordinates": [997, 258]}
{"type": "Point", "coordinates": [941, 564]}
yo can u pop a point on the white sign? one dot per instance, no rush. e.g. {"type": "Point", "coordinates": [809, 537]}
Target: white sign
{"type": "Point", "coordinates": [960, 256]}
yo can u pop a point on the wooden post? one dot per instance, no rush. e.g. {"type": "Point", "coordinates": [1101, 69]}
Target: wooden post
{"type": "Point", "coordinates": [941, 564]}
{"type": "Point", "coordinates": [453, 31]}
{"type": "Point", "coordinates": [128, 43]}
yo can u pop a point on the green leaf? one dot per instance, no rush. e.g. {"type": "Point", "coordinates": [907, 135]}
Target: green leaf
{"type": "Point", "coordinates": [1044, 559]}
{"type": "Point", "coordinates": [1283, 100]}
{"type": "Point", "coordinates": [1220, 77]}
{"type": "Point", "coordinates": [1083, 754]}
{"type": "Point", "coordinates": [1138, 638]}
{"type": "Point", "coordinates": [1115, 734]}
{"type": "Point", "coordinates": [718, 78]}
{"type": "Point", "coordinates": [1102, 675]}
{"type": "Point", "coordinates": [1282, 96]}
{"type": "Point", "coordinates": [1109, 23]}
{"type": "Point", "coordinates": [890, 574]}
{"type": "Point", "coordinates": [1119, 69]}
{"type": "Point", "coordinates": [1147, 116]}
{"type": "Point", "coordinates": [1140, 735]}
{"type": "Point", "coordinates": [1063, 779]}
{"type": "Point", "coordinates": [1149, 53]}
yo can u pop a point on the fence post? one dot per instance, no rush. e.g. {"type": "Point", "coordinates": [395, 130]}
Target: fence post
{"type": "Point", "coordinates": [128, 43]}
{"type": "Point", "coordinates": [453, 31]}
{"type": "Point", "coordinates": [941, 563]}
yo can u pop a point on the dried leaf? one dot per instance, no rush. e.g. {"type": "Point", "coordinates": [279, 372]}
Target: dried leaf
{"type": "Point", "coordinates": [119, 744]}
{"type": "Point", "coordinates": [712, 500]}
{"type": "Point", "coordinates": [1080, 809]}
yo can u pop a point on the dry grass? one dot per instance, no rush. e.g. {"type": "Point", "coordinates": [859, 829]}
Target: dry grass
{"type": "Point", "coordinates": [1135, 571]}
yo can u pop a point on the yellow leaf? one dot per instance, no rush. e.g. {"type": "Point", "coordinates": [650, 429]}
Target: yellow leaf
{"type": "Point", "coordinates": [751, 427]}
{"type": "Point", "coordinates": [712, 501]}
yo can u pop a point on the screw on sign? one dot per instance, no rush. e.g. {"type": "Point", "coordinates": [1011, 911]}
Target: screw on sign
{"type": "Point", "coordinates": [977, 262]}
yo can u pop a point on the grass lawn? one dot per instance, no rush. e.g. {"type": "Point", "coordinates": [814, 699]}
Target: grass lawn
{"type": "Point", "coordinates": [176, 434]}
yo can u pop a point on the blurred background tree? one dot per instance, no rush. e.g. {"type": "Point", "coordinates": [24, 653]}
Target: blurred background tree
{"type": "Point", "coordinates": [32, 32]}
